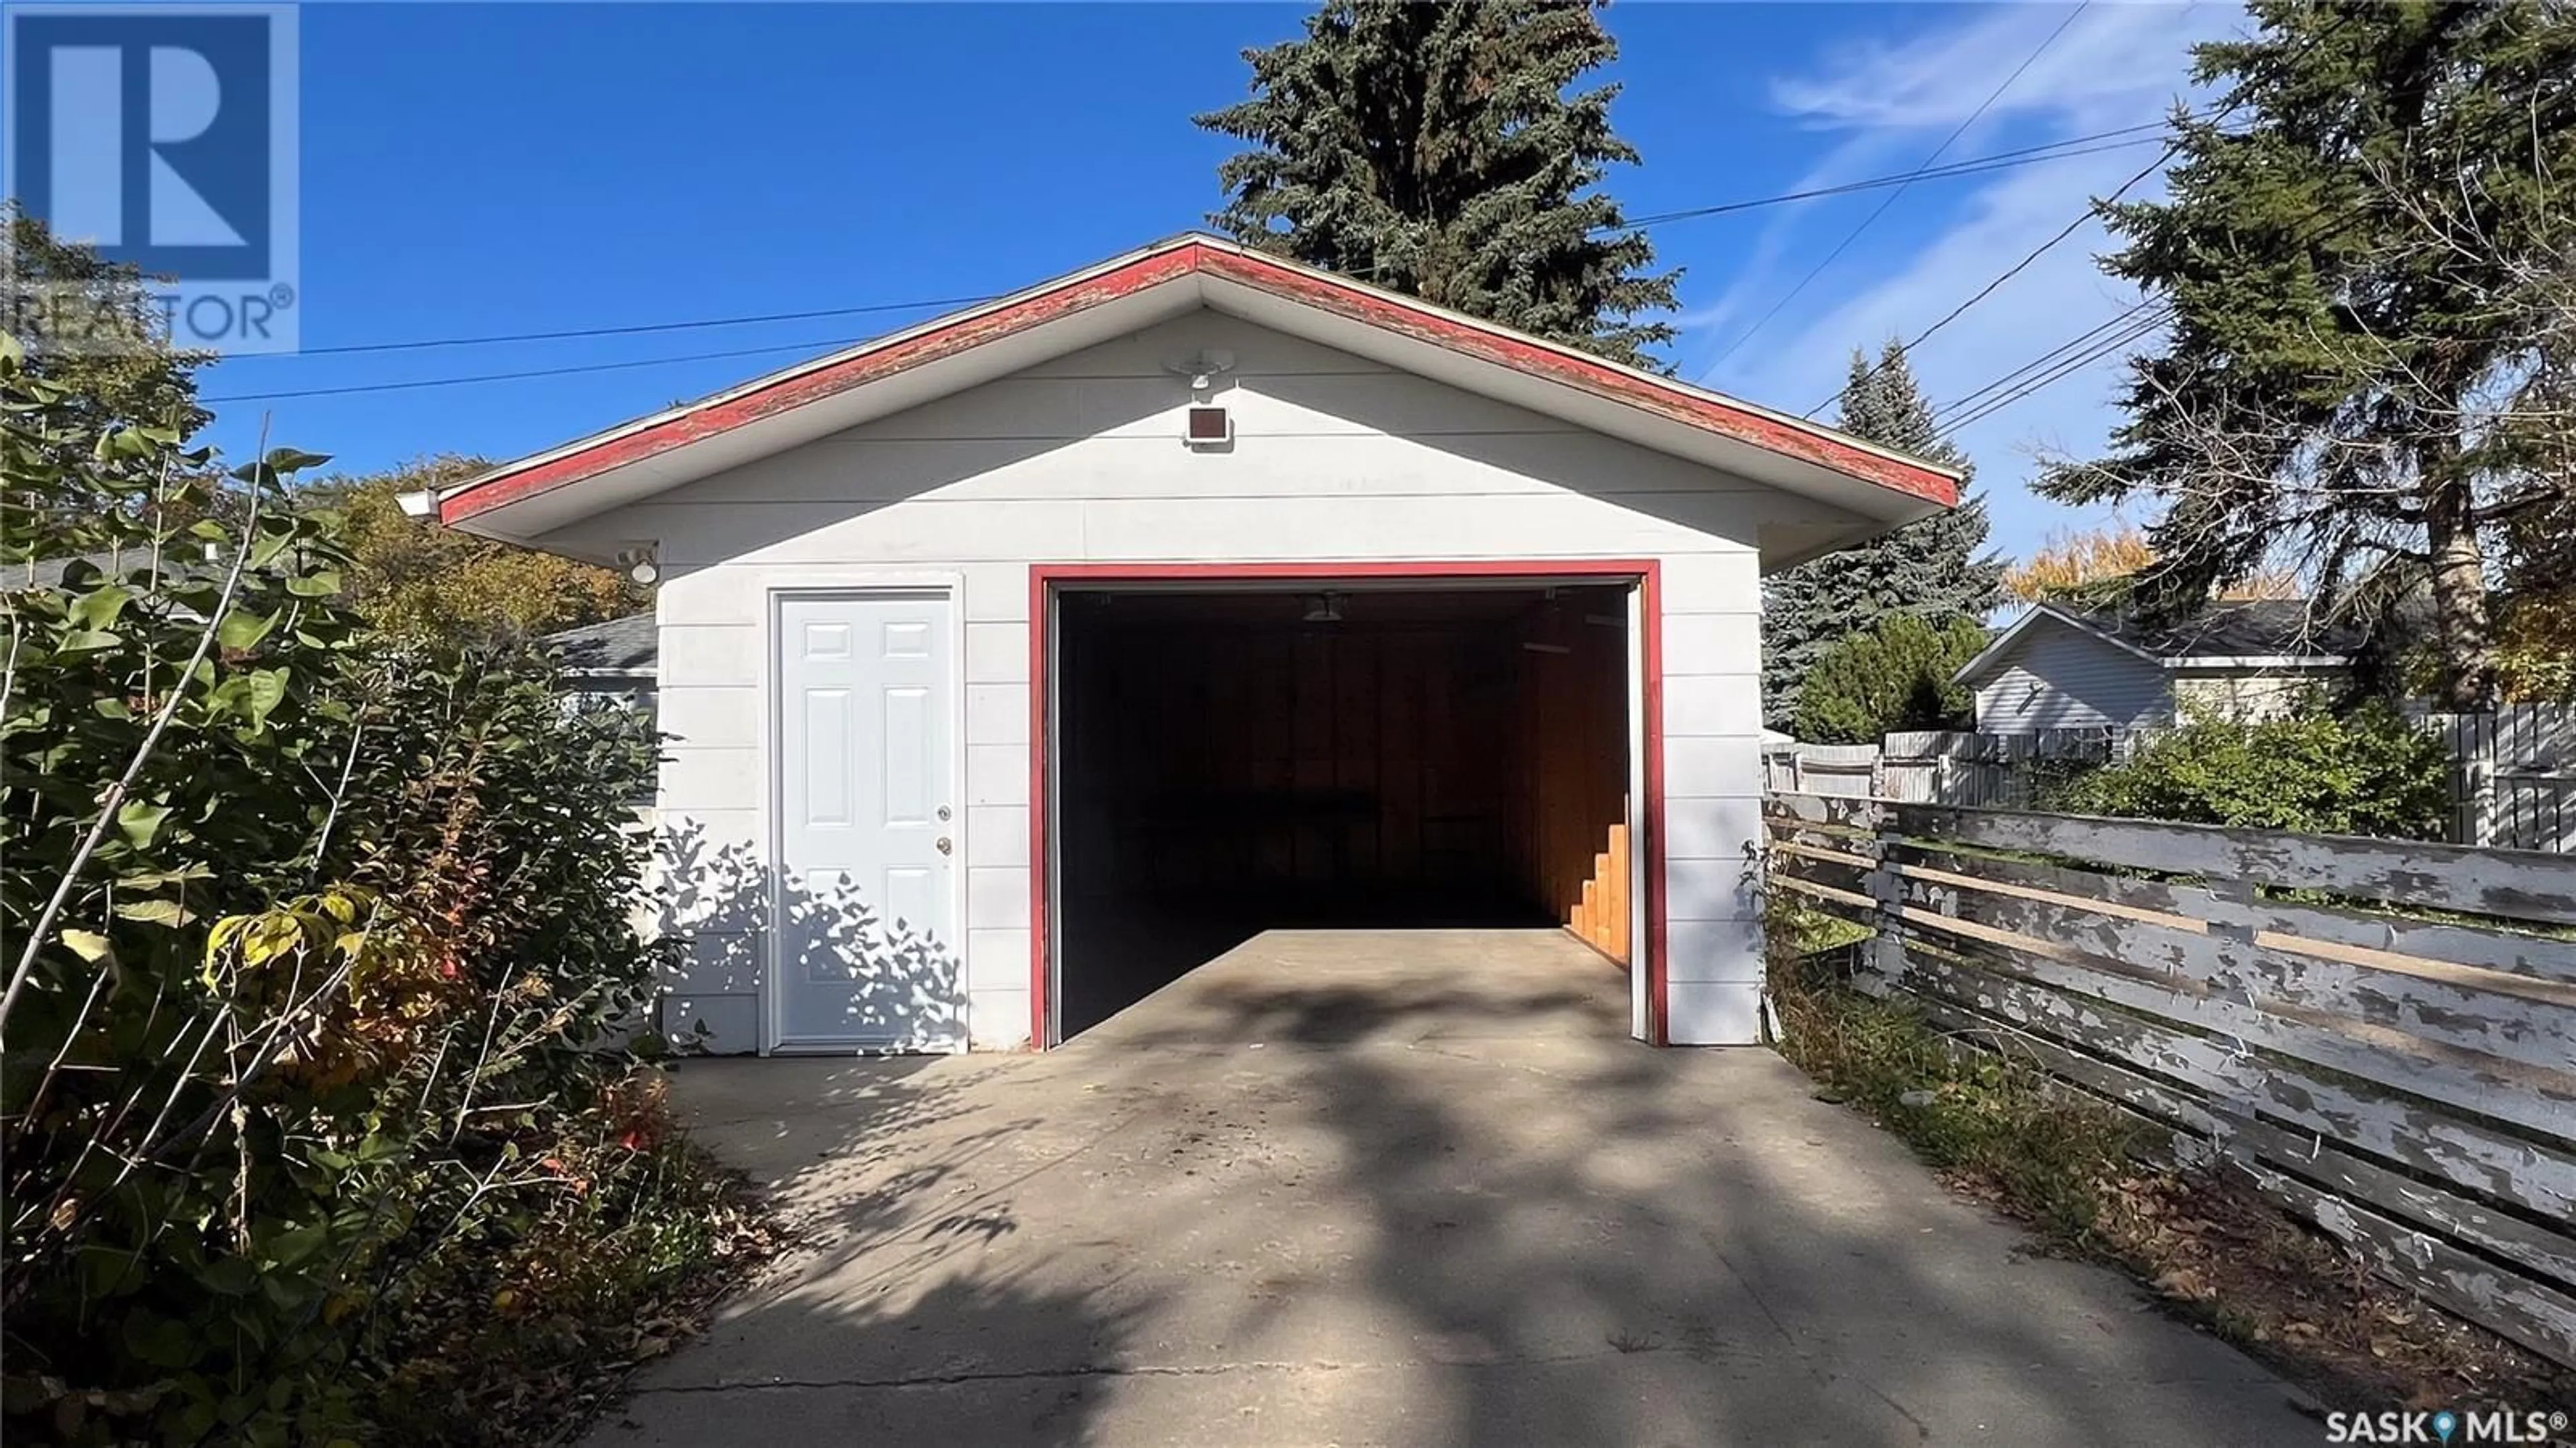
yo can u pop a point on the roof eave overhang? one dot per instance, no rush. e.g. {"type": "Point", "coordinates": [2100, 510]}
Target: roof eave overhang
{"type": "Point", "coordinates": [2215, 662]}
{"type": "Point", "coordinates": [524, 499]}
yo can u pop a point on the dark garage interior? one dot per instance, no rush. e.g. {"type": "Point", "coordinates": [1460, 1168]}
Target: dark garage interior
{"type": "Point", "coordinates": [1383, 758]}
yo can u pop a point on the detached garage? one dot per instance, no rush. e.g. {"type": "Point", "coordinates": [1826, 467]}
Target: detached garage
{"type": "Point", "coordinates": [1017, 663]}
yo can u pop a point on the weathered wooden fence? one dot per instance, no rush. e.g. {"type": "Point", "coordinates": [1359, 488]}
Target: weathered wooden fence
{"type": "Point", "coordinates": [2514, 775]}
{"type": "Point", "coordinates": [1937, 766]}
{"type": "Point", "coordinates": [1832, 769]}
{"type": "Point", "coordinates": [2380, 1035]}
{"type": "Point", "coordinates": [1987, 770]}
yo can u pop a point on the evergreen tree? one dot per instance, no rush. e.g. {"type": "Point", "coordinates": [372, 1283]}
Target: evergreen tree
{"type": "Point", "coordinates": [2348, 253]}
{"type": "Point", "coordinates": [1932, 569]}
{"type": "Point", "coordinates": [1436, 150]}
{"type": "Point", "coordinates": [1890, 677]}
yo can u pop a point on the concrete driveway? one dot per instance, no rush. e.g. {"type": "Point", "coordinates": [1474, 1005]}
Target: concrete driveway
{"type": "Point", "coordinates": [1411, 1189]}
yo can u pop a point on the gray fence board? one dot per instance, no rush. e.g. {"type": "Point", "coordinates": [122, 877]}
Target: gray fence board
{"type": "Point", "coordinates": [2468, 1154]}
{"type": "Point", "coordinates": [2408, 1085]}
{"type": "Point", "coordinates": [2541, 1251]}
{"type": "Point", "coordinates": [2511, 884]}
{"type": "Point", "coordinates": [2306, 927]}
{"type": "Point", "coordinates": [2529, 1313]}
{"type": "Point", "coordinates": [2469, 1082]}
{"type": "Point", "coordinates": [2540, 1034]}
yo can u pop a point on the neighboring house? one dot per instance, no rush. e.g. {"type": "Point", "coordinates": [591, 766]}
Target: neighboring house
{"type": "Point", "coordinates": [613, 664]}
{"type": "Point", "coordinates": [616, 658]}
{"type": "Point", "coordinates": [998, 655]}
{"type": "Point", "coordinates": [2060, 668]}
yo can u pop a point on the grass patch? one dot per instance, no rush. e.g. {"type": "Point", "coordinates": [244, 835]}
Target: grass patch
{"type": "Point", "coordinates": [1997, 1126]}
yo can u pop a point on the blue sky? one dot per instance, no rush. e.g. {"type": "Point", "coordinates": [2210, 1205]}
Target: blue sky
{"type": "Point", "coordinates": [471, 170]}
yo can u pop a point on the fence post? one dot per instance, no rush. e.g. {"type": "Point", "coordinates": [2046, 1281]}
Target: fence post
{"type": "Point", "coordinates": [1887, 941]}
{"type": "Point", "coordinates": [2473, 746]}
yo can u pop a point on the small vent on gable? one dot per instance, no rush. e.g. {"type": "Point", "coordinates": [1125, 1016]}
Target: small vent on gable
{"type": "Point", "coordinates": [1209, 427]}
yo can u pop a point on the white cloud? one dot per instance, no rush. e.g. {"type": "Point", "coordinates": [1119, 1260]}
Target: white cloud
{"type": "Point", "coordinates": [1891, 101]}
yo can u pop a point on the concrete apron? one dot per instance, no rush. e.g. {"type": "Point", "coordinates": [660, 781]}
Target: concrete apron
{"type": "Point", "coordinates": [1394, 1188]}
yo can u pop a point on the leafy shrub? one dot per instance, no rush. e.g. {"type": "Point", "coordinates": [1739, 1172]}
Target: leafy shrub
{"type": "Point", "coordinates": [1892, 677]}
{"type": "Point", "coordinates": [411, 577]}
{"type": "Point", "coordinates": [2364, 771]}
{"type": "Point", "coordinates": [316, 943]}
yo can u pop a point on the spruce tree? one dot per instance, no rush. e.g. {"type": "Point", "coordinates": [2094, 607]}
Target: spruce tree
{"type": "Point", "coordinates": [2348, 255]}
{"type": "Point", "coordinates": [1932, 569]}
{"type": "Point", "coordinates": [1441, 150]}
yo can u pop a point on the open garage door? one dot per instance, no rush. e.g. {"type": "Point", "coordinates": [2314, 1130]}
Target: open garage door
{"type": "Point", "coordinates": [1228, 758]}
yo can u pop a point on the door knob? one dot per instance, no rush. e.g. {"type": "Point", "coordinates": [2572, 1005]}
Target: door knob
{"type": "Point", "coordinates": [943, 844]}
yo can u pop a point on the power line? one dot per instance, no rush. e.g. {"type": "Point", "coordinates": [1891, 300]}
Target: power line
{"type": "Point", "coordinates": [2067, 149]}
{"type": "Point", "coordinates": [2008, 273]}
{"type": "Point", "coordinates": [2043, 360]}
{"type": "Point", "coordinates": [2028, 155]}
{"type": "Point", "coordinates": [1891, 199]}
{"type": "Point", "coordinates": [2172, 149]}
{"type": "Point", "coordinates": [826, 344]}
{"type": "Point", "coordinates": [634, 329]}
{"type": "Point", "coordinates": [2136, 330]}
{"type": "Point", "coordinates": [2149, 314]}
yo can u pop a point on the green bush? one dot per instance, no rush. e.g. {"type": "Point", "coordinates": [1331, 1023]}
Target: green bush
{"type": "Point", "coordinates": [1889, 678]}
{"type": "Point", "coordinates": [306, 1055]}
{"type": "Point", "coordinates": [2363, 771]}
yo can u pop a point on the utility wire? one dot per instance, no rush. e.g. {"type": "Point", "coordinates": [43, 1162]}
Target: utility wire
{"type": "Point", "coordinates": [2064, 150]}
{"type": "Point", "coordinates": [423, 344]}
{"type": "Point", "coordinates": [2089, 334]}
{"type": "Point", "coordinates": [816, 347]}
{"type": "Point", "coordinates": [2140, 323]}
{"type": "Point", "coordinates": [2067, 149]}
{"type": "Point", "coordinates": [1866, 222]}
{"type": "Point", "coordinates": [2008, 273]}
{"type": "Point", "coordinates": [2143, 318]}
{"type": "Point", "coordinates": [2172, 149]}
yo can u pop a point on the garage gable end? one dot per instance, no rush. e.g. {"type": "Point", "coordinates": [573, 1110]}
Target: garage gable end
{"type": "Point", "coordinates": [553, 490]}
{"type": "Point", "coordinates": [1313, 452]}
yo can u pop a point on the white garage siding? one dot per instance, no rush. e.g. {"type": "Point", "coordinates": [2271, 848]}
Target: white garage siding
{"type": "Point", "coordinates": [2059, 677]}
{"type": "Point", "coordinates": [1078, 460]}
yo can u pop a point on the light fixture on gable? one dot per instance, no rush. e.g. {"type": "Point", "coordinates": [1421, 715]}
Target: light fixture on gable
{"type": "Point", "coordinates": [639, 562]}
{"type": "Point", "coordinates": [1203, 368]}
{"type": "Point", "coordinates": [1207, 427]}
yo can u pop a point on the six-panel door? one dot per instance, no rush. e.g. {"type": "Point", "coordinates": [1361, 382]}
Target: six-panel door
{"type": "Point", "coordinates": [867, 809]}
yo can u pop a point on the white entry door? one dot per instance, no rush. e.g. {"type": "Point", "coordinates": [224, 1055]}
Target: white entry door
{"type": "Point", "coordinates": [866, 936]}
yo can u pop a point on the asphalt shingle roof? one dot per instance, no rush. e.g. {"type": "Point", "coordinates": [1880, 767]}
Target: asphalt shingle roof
{"type": "Point", "coordinates": [629, 645]}
{"type": "Point", "coordinates": [2252, 628]}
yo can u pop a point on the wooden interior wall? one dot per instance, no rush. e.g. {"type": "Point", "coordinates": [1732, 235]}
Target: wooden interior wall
{"type": "Point", "coordinates": [1339, 762]}
{"type": "Point", "coordinates": [1571, 752]}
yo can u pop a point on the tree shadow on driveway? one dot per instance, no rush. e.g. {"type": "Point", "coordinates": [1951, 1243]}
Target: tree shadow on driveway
{"type": "Point", "coordinates": [1315, 1195]}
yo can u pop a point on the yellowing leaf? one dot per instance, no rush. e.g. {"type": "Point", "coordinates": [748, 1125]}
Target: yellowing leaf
{"type": "Point", "coordinates": [89, 945]}
{"type": "Point", "coordinates": [168, 913]}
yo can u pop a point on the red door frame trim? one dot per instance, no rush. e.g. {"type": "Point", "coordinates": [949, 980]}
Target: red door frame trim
{"type": "Point", "coordinates": [1646, 572]}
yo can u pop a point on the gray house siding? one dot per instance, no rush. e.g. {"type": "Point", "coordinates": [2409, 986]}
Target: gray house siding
{"type": "Point", "coordinates": [2058, 677]}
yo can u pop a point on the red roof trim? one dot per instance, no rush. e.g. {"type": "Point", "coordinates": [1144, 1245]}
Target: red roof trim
{"type": "Point", "coordinates": [1619, 384]}
{"type": "Point", "coordinates": [1197, 255]}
